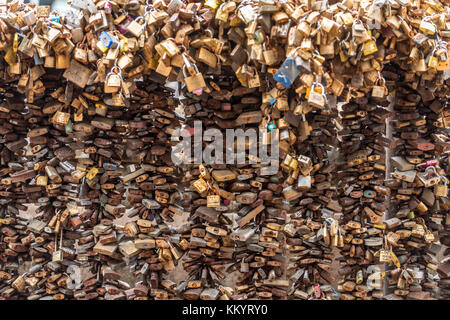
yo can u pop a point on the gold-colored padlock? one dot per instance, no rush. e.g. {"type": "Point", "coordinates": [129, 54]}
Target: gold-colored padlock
{"type": "Point", "coordinates": [369, 47]}
{"type": "Point", "coordinates": [194, 83]}
{"type": "Point", "coordinates": [135, 28]}
{"type": "Point", "coordinates": [426, 26]}
{"type": "Point", "coordinates": [113, 81]}
{"type": "Point", "coordinates": [379, 90]}
{"type": "Point", "coordinates": [200, 185]}
{"type": "Point", "coordinates": [441, 190]}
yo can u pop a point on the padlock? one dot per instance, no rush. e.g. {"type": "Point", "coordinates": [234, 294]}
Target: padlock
{"type": "Point", "coordinates": [429, 177]}
{"type": "Point", "coordinates": [135, 28]}
{"type": "Point", "coordinates": [379, 91]}
{"type": "Point", "coordinates": [200, 185]}
{"type": "Point", "coordinates": [441, 190]}
{"type": "Point", "coordinates": [213, 201]}
{"type": "Point", "coordinates": [195, 82]}
{"type": "Point", "coordinates": [81, 53]}
{"type": "Point", "coordinates": [315, 99]}
{"type": "Point", "coordinates": [107, 41]}
{"type": "Point", "coordinates": [113, 80]}
{"type": "Point", "coordinates": [287, 73]}
{"type": "Point", "coordinates": [270, 56]}
{"type": "Point", "coordinates": [426, 26]}
{"type": "Point", "coordinates": [57, 255]}
{"type": "Point", "coordinates": [369, 47]}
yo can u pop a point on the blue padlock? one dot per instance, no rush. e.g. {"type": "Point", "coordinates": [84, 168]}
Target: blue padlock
{"type": "Point", "coordinates": [287, 73]}
{"type": "Point", "coordinates": [106, 39]}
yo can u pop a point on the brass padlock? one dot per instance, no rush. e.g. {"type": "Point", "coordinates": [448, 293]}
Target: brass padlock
{"type": "Point", "coordinates": [57, 255]}
{"type": "Point", "coordinates": [379, 91]}
{"type": "Point", "coordinates": [441, 190]}
{"type": "Point", "coordinates": [200, 185]}
{"type": "Point", "coordinates": [427, 26]}
{"type": "Point", "coordinates": [135, 28]}
{"type": "Point", "coordinates": [305, 165]}
{"type": "Point", "coordinates": [81, 53]}
{"type": "Point", "coordinates": [270, 56]}
{"type": "Point", "coordinates": [113, 81]}
{"type": "Point", "coordinates": [195, 82]}
{"type": "Point", "coordinates": [213, 201]}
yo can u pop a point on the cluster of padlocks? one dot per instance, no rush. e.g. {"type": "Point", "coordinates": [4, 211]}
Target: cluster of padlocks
{"type": "Point", "coordinates": [94, 101]}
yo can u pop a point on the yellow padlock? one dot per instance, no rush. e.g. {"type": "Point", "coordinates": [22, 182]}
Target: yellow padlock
{"type": "Point", "coordinates": [92, 173]}
{"type": "Point", "coordinates": [433, 62]}
{"type": "Point", "coordinates": [16, 43]}
{"type": "Point", "coordinates": [369, 47]}
{"type": "Point", "coordinates": [317, 89]}
{"type": "Point", "coordinates": [213, 4]}
{"type": "Point", "coordinates": [395, 259]}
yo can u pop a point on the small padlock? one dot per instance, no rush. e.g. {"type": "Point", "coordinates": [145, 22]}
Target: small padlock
{"type": "Point", "coordinates": [194, 83]}
{"type": "Point", "coordinates": [441, 190]}
{"type": "Point", "coordinates": [428, 178]}
{"type": "Point", "coordinates": [426, 26]}
{"type": "Point", "coordinates": [135, 28]}
{"type": "Point", "coordinates": [379, 90]}
{"type": "Point", "coordinates": [270, 56]}
{"type": "Point", "coordinates": [370, 47]}
{"type": "Point", "coordinates": [57, 255]}
{"type": "Point", "coordinates": [287, 73]}
{"type": "Point", "coordinates": [113, 80]}
{"type": "Point", "coordinates": [200, 185]}
{"type": "Point", "coordinates": [213, 201]}
{"type": "Point", "coordinates": [315, 99]}
{"type": "Point", "coordinates": [81, 53]}
{"type": "Point", "coordinates": [107, 41]}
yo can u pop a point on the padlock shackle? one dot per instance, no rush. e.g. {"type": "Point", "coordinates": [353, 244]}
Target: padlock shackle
{"type": "Point", "coordinates": [381, 78]}
{"type": "Point", "coordinates": [144, 25]}
{"type": "Point", "coordinates": [433, 169]}
{"type": "Point", "coordinates": [115, 67]}
{"type": "Point", "coordinates": [185, 67]}
{"type": "Point", "coordinates": [321, 86]}
{"type": "Point", "coordinates": [210, 33]}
